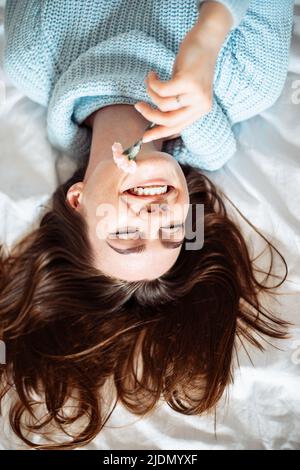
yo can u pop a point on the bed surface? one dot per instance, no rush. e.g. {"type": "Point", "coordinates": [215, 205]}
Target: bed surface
{"type": "Point", "coordinates": [263, 180]}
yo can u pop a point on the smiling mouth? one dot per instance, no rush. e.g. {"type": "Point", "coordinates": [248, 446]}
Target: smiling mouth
{"type": "Point", "coordinates": [150, 190]}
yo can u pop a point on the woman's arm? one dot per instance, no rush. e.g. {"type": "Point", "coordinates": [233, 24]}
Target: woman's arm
{"type": "Point", "coordinates": [252, 67]}
{"type": "Point", "coordinates": [237, 8]}
{"type": "Point", "coordinates": [213, 24]}
{"type": "Point", "coordinates": [26, 60]}
{"type": "Point", "coordinates": [192, 76]}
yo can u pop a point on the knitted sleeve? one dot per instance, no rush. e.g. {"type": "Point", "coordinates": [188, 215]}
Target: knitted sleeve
{"type": "Point", "coordinates": [25, 62]}
{"type": "Point", "coordinates": [237, 9]}
{"type": "Point", "coordinates": [253, 64]}
{"type": "Point", "coordinates": [209, 141]}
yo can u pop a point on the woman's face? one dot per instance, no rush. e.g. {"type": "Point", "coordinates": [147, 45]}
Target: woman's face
{"type": "Point", "coordinates": [135, 236]}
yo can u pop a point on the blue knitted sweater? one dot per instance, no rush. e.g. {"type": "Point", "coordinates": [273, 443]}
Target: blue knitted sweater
{"type": "Point", "coordinates": [77, 56]}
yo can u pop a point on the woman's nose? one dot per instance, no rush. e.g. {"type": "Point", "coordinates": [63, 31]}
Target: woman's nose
{"type": "Point", "coordinates": [154, 208]}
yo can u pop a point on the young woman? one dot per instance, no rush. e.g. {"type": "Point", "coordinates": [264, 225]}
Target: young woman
{"type": "Point", "coordinates": [107, 290]}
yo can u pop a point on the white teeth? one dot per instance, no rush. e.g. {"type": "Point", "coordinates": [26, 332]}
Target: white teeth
{"type": "Point", "coordinates": [149, 191]}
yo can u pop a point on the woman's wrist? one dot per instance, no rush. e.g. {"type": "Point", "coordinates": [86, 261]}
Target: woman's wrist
{"type": "Point", "coordinates": [213, 25]}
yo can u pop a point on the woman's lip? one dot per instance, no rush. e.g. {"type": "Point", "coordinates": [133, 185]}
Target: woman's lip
{"type": "Point", "coordinates": [149, 198]}
{"type": "Point", "coordinates": [160, 182]}
{"type": "Point", "coordinates": [153, 182]}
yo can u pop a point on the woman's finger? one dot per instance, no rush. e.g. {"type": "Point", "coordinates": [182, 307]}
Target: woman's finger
{"type": "Point", "coordinates": [168, 119]}
{"type": "Point", "coordinates": [160, 132]}
{"type": "Point", "coordinates": [174, 86]}
{"type": "Point", "coordinates": [169, 103]}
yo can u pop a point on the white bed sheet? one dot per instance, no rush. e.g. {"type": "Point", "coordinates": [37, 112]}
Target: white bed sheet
{"type": "Point", "coordinates": [263, 180]}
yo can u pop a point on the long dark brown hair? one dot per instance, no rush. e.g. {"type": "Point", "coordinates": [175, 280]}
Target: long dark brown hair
{"type": "Point", "coordinates": [69, 330]}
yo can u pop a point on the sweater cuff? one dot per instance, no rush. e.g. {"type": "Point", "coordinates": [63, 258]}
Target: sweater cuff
{"type": "Point", "coordinates": [237, 9]}
{"type": "Point", "coordinates": [208, 143]}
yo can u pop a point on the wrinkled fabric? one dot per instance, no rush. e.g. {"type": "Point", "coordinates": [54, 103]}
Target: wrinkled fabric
{"type": "Point", "coordinates": [263, 180]}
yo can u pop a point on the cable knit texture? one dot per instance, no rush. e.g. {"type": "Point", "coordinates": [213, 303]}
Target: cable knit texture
{"type": "Point", "coordinates": [77, 56]}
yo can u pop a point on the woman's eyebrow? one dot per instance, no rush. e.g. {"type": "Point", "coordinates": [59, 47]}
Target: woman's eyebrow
{"type": "Point", "coordinates": [140, 248]}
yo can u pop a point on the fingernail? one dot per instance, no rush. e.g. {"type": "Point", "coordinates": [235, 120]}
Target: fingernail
{"type": "Point", "coordinates": [146, 139]}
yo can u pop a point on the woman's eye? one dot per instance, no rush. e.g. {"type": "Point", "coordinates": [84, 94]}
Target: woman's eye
{"type": "Point", "coordinates": [135, 234]}
{"type": "Point", "coordinates": [128, 235]}
{"type": "Point", "coordinates": [173, 228]}
{"type": "Point", "coordinates": [125, 235]}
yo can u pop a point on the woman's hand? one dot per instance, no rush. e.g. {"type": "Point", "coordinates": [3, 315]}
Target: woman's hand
{"type": "Point", "coordinates": [192, 77]}
{"type": "Point", "coordinates": [192, 80]}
